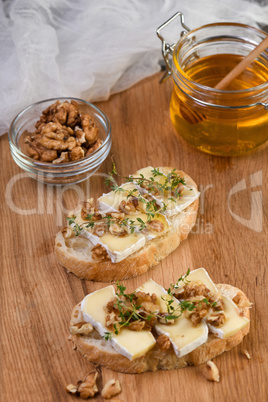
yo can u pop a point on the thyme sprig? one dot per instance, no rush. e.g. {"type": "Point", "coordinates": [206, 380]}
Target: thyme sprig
{"type": "Point", "coordinates": [170, 185]}
{"type": "Point", "coordinates": [152, 208]}
{"type": "Point", "coordinates": [75, 226]}
{"type": "Point", "coordinates": [108, 220]}
{"type": "Point", "coordinates": [107, 336]}
{"type": "Point", "coordinates": [129, 311]}
{"type": "Point", "coordinates": [183, 279]}
{"type": "Point", "coordinates": [186, 305]}
{"type": "Point", "coordinates": [176, 312]}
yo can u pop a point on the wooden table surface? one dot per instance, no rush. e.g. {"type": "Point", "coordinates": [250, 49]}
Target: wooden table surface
{"type": "Point", "coordinates": [229, 240]}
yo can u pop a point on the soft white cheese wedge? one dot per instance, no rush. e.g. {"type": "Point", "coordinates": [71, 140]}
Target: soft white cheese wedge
{"type": "Point", "coordinates": [183, 336]}
{"type": "Point", "coordinates": [110, 202]}
{"type": "Point", "coordinates": [200, 275]}
{"type": "Point", "coordinates": [131, 344]}
{"type": "Point", "coordinates": [233, 323]}
{"type": "Point", "coordinates": [118, 248]}
{"type": "Point", "coordinates": [189, 195]}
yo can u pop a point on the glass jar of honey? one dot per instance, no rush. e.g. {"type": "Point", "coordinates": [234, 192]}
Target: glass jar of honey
{"type": "Point", "coordinates": [227, 122]}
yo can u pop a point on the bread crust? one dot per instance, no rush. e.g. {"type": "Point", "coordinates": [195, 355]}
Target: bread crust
{"type": "Point", "coordinates": [137, 263]}
{"type": "Point", "coordinates": [96, 350]}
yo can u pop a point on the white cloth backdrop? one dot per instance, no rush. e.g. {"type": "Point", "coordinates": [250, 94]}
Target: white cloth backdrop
{"type": "Point", "coordinates": [93, 48]}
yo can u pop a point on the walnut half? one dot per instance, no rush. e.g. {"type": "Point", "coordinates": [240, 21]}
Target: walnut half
{"type": "Point", "coordinates": [72, 388]}
{"type": "Point", "coordinates": [155, 225]}
{"type": "Point", "coordinates": [86, 388]}
{"type": "Point", "coordinates": [210, 371]}
{"type": "Point", "coordinates": [67, 232]}
{"type": "Point", "coordinates": [81, 329]}
{"type": "Point", "coordinates": [99, 253]}
{"type": "Point", "coordinates": [163, 342]}
{"type": "Point", "coordinates": [110, 389]}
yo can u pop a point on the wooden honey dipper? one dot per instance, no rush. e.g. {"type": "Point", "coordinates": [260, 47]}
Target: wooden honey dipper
{"type": "Point", "coordinates": [193, 117]}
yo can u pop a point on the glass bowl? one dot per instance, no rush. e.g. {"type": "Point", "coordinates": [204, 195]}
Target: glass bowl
{"type": "Point", "coordinates": [58, 173]}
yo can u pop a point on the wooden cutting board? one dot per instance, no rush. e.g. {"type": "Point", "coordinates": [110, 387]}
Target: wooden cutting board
{"type": "Point", "coordinates": [229, 240]}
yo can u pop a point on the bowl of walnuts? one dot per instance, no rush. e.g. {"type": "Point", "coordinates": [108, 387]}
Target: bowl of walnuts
{"type": "Point", "coordinates": [60, 140]}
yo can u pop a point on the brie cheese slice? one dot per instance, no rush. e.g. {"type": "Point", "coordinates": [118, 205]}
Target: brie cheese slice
{"type": "Point", "coordinates": [131, 344]}
{"type": "Point", "coordinates": [118, 248]}
{"type": "Point", "coordinates": [189, 195]}
{"type": "Point", "coordinates": [200, 275]}
{"type": "Point", "coordinates": [110, 202]}
{"type": "Point", "coordinates": [183, 336]}
{"type": "Point", "coordinates": [233, 323]}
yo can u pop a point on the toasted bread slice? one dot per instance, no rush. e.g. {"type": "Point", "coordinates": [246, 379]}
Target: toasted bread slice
{"type": "Point", "coordinates": [75, 253]}
{"type": "Point", "coordinates": [94, 348]}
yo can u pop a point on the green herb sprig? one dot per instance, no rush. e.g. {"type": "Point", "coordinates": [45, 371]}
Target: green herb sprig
{"type": "Point", "coordinates": [76, 227]}
{"type": "Point", "coordinates": [152, 208]}
{"type": "Point", "coordinates": [183, 279]}
{"type": "Point", "coordinates": [129, 311]}
{"type": "Point", "coordinates": [171, 184]}
{"type": "Point", "coordinates": [108, 221]}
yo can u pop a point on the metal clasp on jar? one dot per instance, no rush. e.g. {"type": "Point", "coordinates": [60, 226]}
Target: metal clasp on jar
{"type": "Point", "coordinates": [167, 49]}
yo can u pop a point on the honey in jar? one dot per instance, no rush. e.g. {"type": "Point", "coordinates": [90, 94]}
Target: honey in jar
{"type": "Point", "coordinates": [227, 122]}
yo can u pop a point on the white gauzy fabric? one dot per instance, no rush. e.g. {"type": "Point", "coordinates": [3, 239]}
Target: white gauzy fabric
{"type": "Point", "coordinates": [92, 49]}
